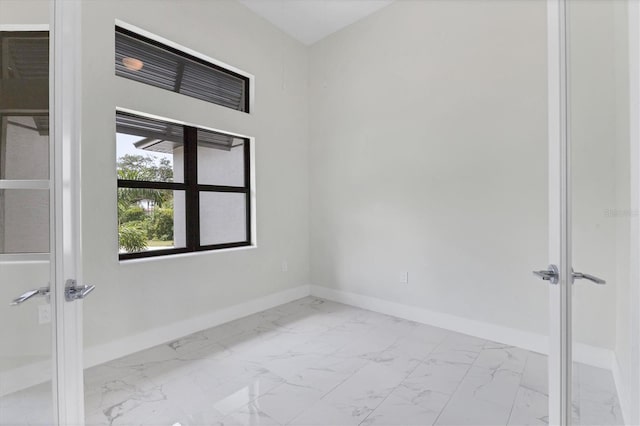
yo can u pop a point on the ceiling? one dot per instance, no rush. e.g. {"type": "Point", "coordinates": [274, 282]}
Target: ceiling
{"type": "Point", "coordinates": [313, 20]}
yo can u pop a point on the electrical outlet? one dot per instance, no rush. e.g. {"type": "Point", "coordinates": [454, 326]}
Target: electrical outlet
{"type": "Point", "coordinates": [44, 314]}
{"type": "Point", "coordinates": [404, 278]}
{"type": "Point", "coordinates": [285, 266]}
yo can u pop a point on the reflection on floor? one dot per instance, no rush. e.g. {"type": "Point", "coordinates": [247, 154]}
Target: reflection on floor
{"type": "Point", "coordinates": [314, 362]}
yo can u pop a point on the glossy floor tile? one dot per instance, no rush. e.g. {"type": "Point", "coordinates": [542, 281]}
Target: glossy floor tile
{"type": "Point", "coordinates": [315, 362]}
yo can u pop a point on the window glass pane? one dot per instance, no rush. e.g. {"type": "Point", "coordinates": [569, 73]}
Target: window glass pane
{"type": "Point", "coordinates": [203, 82]}
{"type": "Point", "coordinates": [156, 161]}
{"type": "Point", "coordinates": [150, 219]}
{"type": "Point", "coordinates": [24, 147]}
{"type": "Point", "coordinates": [220, 159]}
{"type": "Point", "coordinates": [151, 62]}
{"type": "Point", "coordinates": [148, 149]}
{"type": "Point", "coordinates": [25, 55]}
{"type": "Point", "coordinates": [145, 63]}
{"type": "Point", "coordinates": [24, 221]}
{"type": "Point", "coordinates": [223, 218]}
{"type": "Point", "coordinates": [24, 71]}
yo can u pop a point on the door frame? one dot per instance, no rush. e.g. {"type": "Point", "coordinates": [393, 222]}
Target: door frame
{"type": "Point", "coordinates": [560, 300]}
{"type": "Point", "coordinates": [65, 110]}
{"type": "Point", "coordinates": [560, 357]}
{"type": "Point", "coordinates": [633, 402]}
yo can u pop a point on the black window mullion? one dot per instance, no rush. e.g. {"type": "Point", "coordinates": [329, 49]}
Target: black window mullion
{"type": "Point", "coordinates": [192, 207]}
{"type": "Point", "coordinates": [152, 253]}
{"type": "Point", "coordinates": [223, 246]}
{"type": "Point", "coordinates": [247, 186]}
{"type": "Point", "coordinates": [222, 188]}
{"type": "Point", "coordinates": [126, 183]}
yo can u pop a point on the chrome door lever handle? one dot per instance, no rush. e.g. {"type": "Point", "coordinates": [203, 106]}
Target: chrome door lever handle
{"type": "Point", "coordinates": [592, 278]}
{"type": "Point", "coordinates": [43, 291]}
{"type": "Point", "coordinates": [75, 292]}
{"type": "Point", "coordinates": [551, 274]}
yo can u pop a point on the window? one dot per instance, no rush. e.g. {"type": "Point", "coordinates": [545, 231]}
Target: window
{"type": "Point", "coordinates": [24, 145]}
{"type": "Point", "coordinates": [180, 188]}
{"type": "Point", "coordinates": [148, 61]}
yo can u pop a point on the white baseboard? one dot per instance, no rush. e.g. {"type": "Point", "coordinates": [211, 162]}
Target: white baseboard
{"type": "Point", "coordinates": [118, 348]}
{"type": "Point", "coordinates": [25, 376]}
{"type": "Point", "coordinates": [586, 354]}
{"type": "Point", "coordinates": [33, 374]}
{"type": "Point", "coordinates": [36, 373]}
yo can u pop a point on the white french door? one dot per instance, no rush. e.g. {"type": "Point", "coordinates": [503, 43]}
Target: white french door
{"type": "Point", "coordinates": [559, 361]}
{"type": "Point", "coordinates": [41, 368]}
{"type": "Point", "coordinates": [41, 362]}
{"type": "Point", "coordinates": [67, 291]}
{"type": "Point", "coordinates": [590, 214]}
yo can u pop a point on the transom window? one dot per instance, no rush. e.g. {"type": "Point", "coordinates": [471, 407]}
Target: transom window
{"type": "Point", "coordinates": [151, 62]}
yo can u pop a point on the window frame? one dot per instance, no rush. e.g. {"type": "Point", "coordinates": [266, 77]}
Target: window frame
{"type": "Point", "coordinates": [192, 190]}
{"type": "Point", "coordinates": [182, 53]}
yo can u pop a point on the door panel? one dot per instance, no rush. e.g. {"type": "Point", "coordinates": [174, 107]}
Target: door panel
{"type": "Point", "coordinates": [26, 395]}
{"type": "Point", "coordinates": [600, 201]}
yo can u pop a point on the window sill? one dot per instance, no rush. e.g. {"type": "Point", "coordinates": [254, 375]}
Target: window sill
{"type": "Point", "coordinates": [189, 254]}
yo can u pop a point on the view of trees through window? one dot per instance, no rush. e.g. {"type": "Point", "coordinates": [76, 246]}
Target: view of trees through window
{"type": "Point", "coordinates": [180, 188]}
{"type": "Point", "coordinates": [145, 215]}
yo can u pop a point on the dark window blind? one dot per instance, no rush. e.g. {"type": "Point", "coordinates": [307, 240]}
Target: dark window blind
{"type": "Point", "coordinates": [151, 62]}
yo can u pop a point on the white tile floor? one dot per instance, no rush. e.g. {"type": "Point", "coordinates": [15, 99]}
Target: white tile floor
{"type": "Point", "coordinates": [314, 362]}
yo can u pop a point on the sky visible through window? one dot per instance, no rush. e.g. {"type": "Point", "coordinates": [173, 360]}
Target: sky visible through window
{"type": "Point", "coordinates": [124, 146]}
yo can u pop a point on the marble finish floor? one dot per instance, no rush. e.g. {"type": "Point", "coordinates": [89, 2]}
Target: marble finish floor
{"type": "Point", "coordinates": [315, 362]}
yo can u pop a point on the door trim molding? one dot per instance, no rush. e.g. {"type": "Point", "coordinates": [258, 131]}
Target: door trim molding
{"type": "Point", "coordinates": [631, 405]}
{"type": "Point", "coordinates": [25, 27]}
{"type": "Point", "coordinates": [65, 108]}
{"type": "Point", "coordinates": [560, 357]}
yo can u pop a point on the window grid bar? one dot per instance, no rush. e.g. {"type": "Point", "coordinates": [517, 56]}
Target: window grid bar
{"type": "Point", "coordinates": [154, 253]}
{"type": "Point", "coordinates": [145, 184]}
{"type": "Point", "coordinates": [210, 247]}
{"type": "Point", "coordinates": [247, 185]}
{"type": "Point", "coordinates": [192, 198]}
{"type": "Point", "coordinates": [191, 178]}
{"type": "Point", "coordinates": [221, 188]}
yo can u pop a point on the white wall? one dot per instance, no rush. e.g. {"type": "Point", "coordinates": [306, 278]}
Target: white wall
{"type": "Point", "coordinates": [23, 12]}
{"type": "Point", "coordinates": [428, 147]}
{"type": "Point", "coordinates": [137, 296]}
